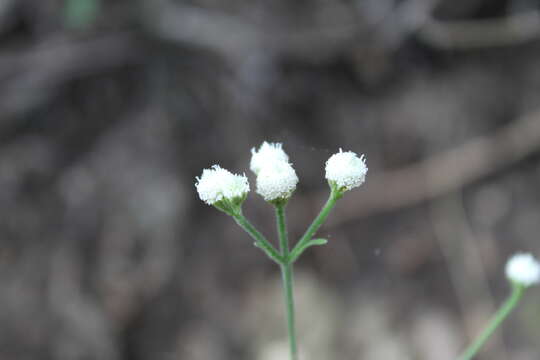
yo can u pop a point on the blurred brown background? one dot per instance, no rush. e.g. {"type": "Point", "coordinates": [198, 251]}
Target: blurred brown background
{"type": "Point", "coordinates": [109, 109]}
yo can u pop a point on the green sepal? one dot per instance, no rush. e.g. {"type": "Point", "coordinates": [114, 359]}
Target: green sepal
{"type": "Point", "coordinates": [282, 201]}
{"type": "Point", "coordinates": [337, 192]}
{"type": "Point", "coordinates": [238, 201]}
{"type": "Point", "coordinates": [226, 206]}
{"type": "Point", "coordinates": [231, 206]}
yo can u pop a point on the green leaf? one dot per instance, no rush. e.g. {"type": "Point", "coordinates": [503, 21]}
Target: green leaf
{"type": "Point", "coordinates": [81, 13]}
{"type": "Point", "coordinates": [298, 250]}
{"type": "Point", "coordinates": [317, 242]}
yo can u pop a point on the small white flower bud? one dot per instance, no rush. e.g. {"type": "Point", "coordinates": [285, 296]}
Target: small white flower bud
{"type": "Point", "coordinates": [276, 181]}
{"type": "Point", "coordinates": [523, 269]}
{"type": "Point", "coordinates": [346, 170]}
{"type": "Point", "coordinates": [216, 184]}
{"type": "Point", "coordinates": [268, 153]}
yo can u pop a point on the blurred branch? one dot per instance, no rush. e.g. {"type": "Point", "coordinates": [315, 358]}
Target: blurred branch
{"type": "Point", "coordinates": [29, 76]}
{"type": "Point", "coordinates": [404, 20]}
{"type": "Point", "coordinates": [467, 34]}
{"type": "Point", "coordinates": [417, 17]}
{"type": "Point", "coordinates": [462, 251]}
{"type": "Point", "coordinates": [202, 28]}
{"type": "Point", "coordinates": [441, 173]}
{"type": "Point", "coordinates": [235, 38]}
{"type": "Point", "coordinates": [6, 13]}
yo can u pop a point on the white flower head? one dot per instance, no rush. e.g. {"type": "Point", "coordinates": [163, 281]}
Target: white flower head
{"type": "Point", "coordinates": [276, 181]}
{"type": "Point", "coordinates": [268, 153]}
{"type": "Point", "coordinates": [216, 184]}
{"type": "Point", "coordinates": [524, 269]}
{"type": "Point", "coordinates": [346, 170]}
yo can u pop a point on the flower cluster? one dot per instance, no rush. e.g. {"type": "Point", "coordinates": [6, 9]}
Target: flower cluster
{"type": "Point", "coordinates": [276, 177]}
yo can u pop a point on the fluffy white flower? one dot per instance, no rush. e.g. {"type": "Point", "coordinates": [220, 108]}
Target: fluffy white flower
{"type": "Point", "coordinates": [276, 181]}
{"type": "Point", "coordinates": [216, 184]}
{"type": "Point", "coordinates": [268, 153]}
{"type": "Point", "coordinates": [523, 269]}
{"type": "Point", "coordinates": [346, 169]}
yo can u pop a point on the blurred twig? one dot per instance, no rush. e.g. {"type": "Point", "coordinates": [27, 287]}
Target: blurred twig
{"type": "Point", "coordinates": [442, 173]}
{"type": "Point", "coordinates": [235, 38]}
{"type": "Point", "coordinates": [405, 19]}
{"type": "Point", "coordinates": [417, 17]}
{"type": "Point", "coordinates": [466, 34]}
{"type": "Point", "coordinates": [461, 249]}
{"type": "Point", "coordinates": [33, 74]}
{"type": "Point", "coordinates": [205, 29]}
{"type": "Point", "coordinates": [6, 12]}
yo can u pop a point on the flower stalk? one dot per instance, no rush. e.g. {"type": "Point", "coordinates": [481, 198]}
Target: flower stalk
{"type": "Point", "coordinates": [523, 271]}
{"type": "Point", "coordinates": [497, 319]}
{"type": "Point", "coordinates": [306, 240]}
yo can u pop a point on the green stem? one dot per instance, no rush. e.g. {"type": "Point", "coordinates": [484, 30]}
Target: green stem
{"type": "Point", "coordinates": [260, 240]}
{"type": "Point", "coordinates": [495, 322]}
{"type": "Point", "coordinates": [287, 278]}
{"type": "Point", "coordinates": [282, 230]}
{"type": "Point", "coordinates": [319, 220]}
